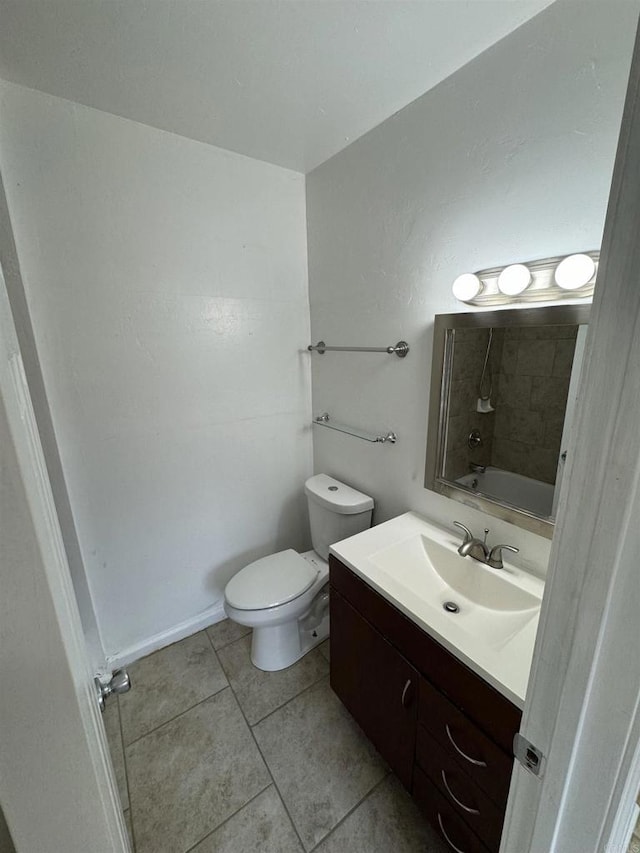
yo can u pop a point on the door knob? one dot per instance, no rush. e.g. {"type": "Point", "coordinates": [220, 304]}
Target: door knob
{"type": "Point", "coordinates": [118, 683]}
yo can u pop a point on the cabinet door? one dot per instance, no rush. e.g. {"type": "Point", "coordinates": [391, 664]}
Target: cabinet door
{"type": "Point", "coordinates": [376, 684]}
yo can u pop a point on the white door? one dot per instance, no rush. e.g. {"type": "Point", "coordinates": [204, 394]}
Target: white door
{"type": "Point", "coordinates": [582, 709]}
{"type": "Point", "coordinates": [57, 789]}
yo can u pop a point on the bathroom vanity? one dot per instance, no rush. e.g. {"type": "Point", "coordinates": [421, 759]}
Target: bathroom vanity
{"type": "Point", "coordinates": [445, 731]}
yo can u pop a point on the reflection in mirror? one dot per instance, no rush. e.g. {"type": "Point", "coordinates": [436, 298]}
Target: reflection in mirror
{"type": "Point", "coordinates": [503, 397]}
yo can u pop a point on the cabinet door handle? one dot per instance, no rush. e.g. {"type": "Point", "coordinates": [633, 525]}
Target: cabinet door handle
{"type": "Point", "coordinates": [404, 693]}
{"type": "Point", "coordinates": [446, 837]}
{"type": "Point", "coordinates": [460, 752]}
{"type": "Point", "coordinates": [467, 809]}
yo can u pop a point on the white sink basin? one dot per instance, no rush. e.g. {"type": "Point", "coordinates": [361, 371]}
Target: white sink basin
{"type": "Point", "coordinates": [415, 565]}
{"type": "Point", "coordinates": [491, 606]}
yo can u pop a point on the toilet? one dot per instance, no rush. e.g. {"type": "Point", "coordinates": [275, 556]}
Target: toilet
{"type": "Point", "coordinates": [285, 597]}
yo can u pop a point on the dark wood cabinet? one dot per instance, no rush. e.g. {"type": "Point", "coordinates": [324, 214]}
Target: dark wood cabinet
{"type": "Point", "coordinates": [377, 685]}
{"type": "Point", "coordinates": [445, 732]}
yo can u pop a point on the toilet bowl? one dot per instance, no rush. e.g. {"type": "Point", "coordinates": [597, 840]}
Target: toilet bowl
{"type": "Point", "coordinates": [285, 597]}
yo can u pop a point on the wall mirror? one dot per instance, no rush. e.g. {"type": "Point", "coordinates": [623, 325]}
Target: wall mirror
{"type": "Point", "coordinates": [503, 392]}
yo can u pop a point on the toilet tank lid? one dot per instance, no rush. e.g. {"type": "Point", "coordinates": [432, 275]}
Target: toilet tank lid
{"type": "Point", "coordinates": [336, 496]}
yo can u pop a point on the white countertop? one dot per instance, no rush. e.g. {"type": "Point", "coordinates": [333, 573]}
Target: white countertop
{"type": "Point", "coordinates": [502, 658]}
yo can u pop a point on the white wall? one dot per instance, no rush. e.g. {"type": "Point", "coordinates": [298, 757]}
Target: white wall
{"type": "Point", "coordinates": [509, 159]}
{"type": "Point", "coordinates": [167, 285]}
{"type": "Point", "coordinates": [10, 269]}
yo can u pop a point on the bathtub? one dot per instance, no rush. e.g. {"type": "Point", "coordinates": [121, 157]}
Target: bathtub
{"type": "Point", "coordinates": [522, 492]}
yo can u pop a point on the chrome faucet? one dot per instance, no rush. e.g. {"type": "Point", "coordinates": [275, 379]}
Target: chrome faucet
{"type": "Point", "coordinates": [473, 547]}
{"type": "Point", "coordinates": [479, 550]}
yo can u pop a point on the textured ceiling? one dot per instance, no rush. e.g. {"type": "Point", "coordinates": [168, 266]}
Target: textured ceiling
{"type": "Point", "coordinates": [287, 81]}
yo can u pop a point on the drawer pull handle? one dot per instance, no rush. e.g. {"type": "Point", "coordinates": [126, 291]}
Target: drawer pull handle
{"type": "Point", "coordinates": [446, 837]}
{"type": "Point", "coordinates": [404, 693]}
{"type": "Point", "coordinates": [460, 752]}
{"type": "Point", "coordinates": [467, 809]}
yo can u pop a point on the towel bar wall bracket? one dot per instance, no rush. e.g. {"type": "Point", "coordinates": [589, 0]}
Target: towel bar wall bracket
{"type": "Point", "coordinates": [400, 349]}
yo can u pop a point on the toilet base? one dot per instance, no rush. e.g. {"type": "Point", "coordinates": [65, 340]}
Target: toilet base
{"type": "Point", "coordinates": [275, 647]}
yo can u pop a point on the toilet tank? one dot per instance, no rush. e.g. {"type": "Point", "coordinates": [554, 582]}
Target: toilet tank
{"type": "Point", "coordinates": [336, 511]}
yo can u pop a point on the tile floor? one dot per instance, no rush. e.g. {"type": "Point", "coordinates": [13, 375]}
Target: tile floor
{"type": "Point", "coordinates": [634, 844]}
{"type": "Point", "coordinates": [214, 756]}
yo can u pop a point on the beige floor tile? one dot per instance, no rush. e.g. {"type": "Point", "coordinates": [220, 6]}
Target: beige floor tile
{"type": "Point", "coordinates": [387, 820]}
{"type": "Point", "coordinates": [168, 682]}
{"type": "Point", "coordinates": [225, 632]}
{"type": "Point", "coordinates": [325, 650]}
{"type": "Point", "coordinates": [320, 760]}
{"type": "Point", "coordinates": [6, 842]}
{"type": "Point", "coordinates": [259, 693]}
{"type": "Point", "coordinates": [262, 826]}
{"type": "Point", "coordinates": [111, 720]}
{"type": "Point", "coordinates": [191, 774]}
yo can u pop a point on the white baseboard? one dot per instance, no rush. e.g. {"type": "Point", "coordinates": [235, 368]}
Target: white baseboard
{"type": "Point", "coordinates": [202, 620]}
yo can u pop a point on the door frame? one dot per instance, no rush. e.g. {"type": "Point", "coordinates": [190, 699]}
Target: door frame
{"type": "Point", "coordinates": [583, 703]}
{"type": "Point", "coordinates": [71, 693]}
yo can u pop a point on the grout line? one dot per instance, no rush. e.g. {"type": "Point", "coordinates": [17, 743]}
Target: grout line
{"type": "Point", "coordinates": [133, 837]}
{"type": "Point", "coordinates": [284, 704]}
{"type": "Point", "coordinates": [175, 717]}
{"type": "Point", "coordinates": [185, 711]}
{"type": "Point", "coordinates": [351, 811]}
{"type": "Point", "coordinates": [250, 727]}
{"type": "Point", "coordinates": [266, 764]}
{"type": "Point", "coordinates": [126, 776]}
{"type": "Point", "coordinates": [227, 819]}
{"type": "Point", "coordinates": [125, 746]}
{"type": "Point", "coordinates": [172, 719]}
{"type": "Point", "coordinates": [279, 707]}
{"type": "Point", "coordinates": [275, 784]}
{"type": "Point", "coordinates": [230, 642]}
{"type": "Point", "coordinates": [224, 646]}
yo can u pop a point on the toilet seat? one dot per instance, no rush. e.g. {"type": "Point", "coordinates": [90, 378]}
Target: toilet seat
{"type": "Point", "coordinates": [270, 581]}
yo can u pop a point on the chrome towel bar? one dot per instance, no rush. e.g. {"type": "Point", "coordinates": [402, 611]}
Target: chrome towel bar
{"type": "Point", "coordinates": [324, 420]}
{"type": "Point", "coordinates": [400, 349]}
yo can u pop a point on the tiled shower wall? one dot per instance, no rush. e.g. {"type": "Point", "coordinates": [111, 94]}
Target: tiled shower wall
{"type": "Point", "coordinates": [470, 347]}
{"type": "Point", "coordinates": [530, 370]}
{"type": "Point", "coordinates": [533, 384]}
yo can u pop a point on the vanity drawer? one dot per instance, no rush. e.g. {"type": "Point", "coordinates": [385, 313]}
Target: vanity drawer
{"type": "Point", "coordinates": [495, 714]}
{"type": "Point", "coordinates": [483, 761]}
{"type": "Point", "coordinates": [444, 818]}
{"type": "Point", "coordinates": [471, 803]}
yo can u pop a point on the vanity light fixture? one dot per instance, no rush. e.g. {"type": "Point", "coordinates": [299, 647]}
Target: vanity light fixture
{"type": "Point", "coordinates": [546, 280]}
{"type": "Point", "coordinates": [574, 272]}
{"type": "Point", "coordinates": [514, 279]}
{"type": "Point", "coordinates": [466, 287]}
